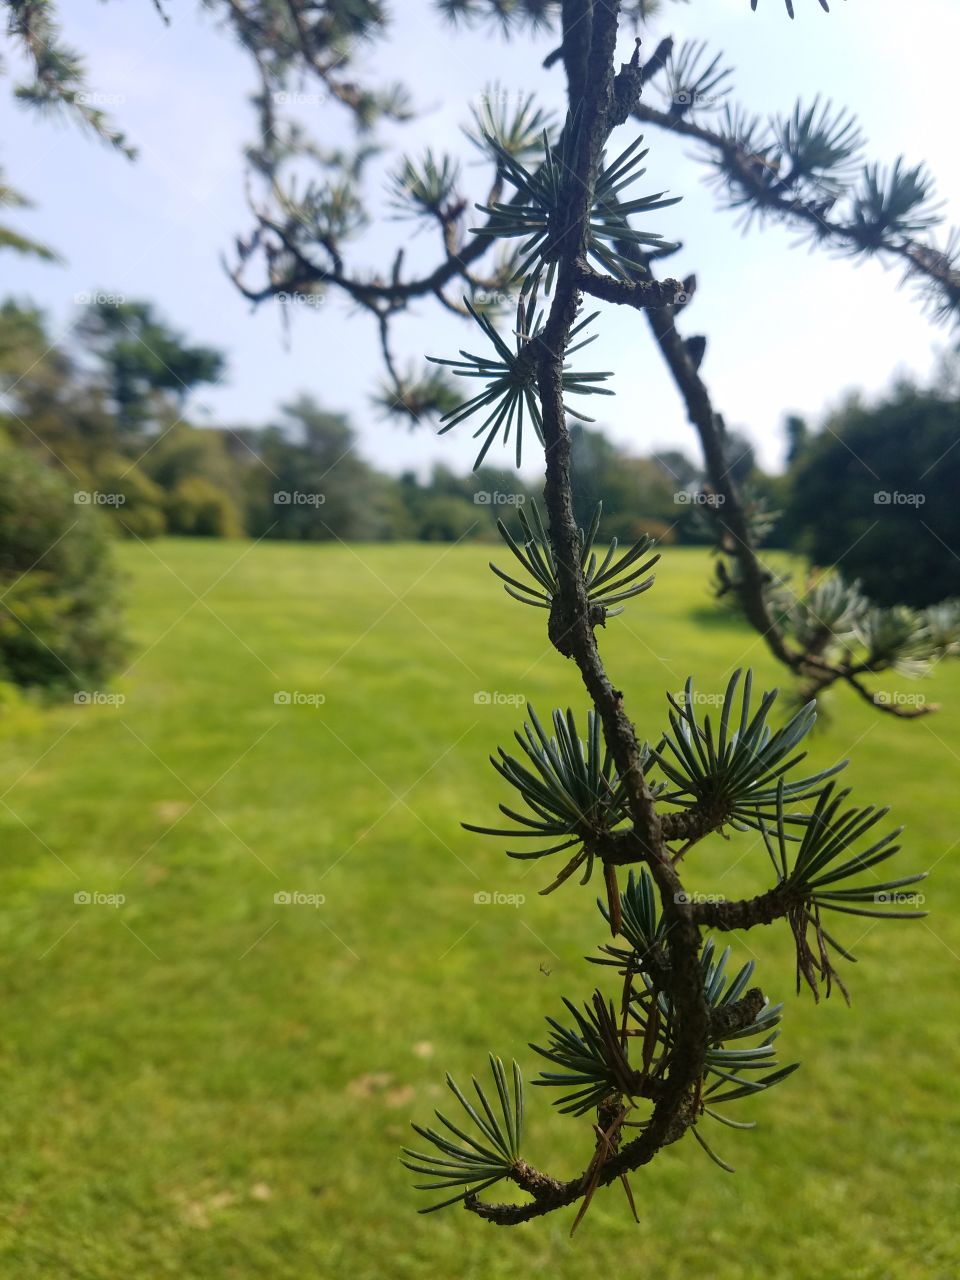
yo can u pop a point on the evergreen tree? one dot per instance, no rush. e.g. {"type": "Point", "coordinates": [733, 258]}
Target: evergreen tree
{"type": "Point", "coordinates": [877, 490]}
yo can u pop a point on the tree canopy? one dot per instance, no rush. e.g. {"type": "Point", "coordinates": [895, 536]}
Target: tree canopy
{"type": "Point", "coordinates": [876, 493]}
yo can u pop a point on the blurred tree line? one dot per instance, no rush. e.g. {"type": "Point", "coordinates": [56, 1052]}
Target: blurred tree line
{"type": "Point", "coordinates": [874, 490]}
{"type": "Point", "coordinates": [110, 414]}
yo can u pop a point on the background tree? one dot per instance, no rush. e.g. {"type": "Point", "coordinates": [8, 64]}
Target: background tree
{"type": "Point", "coordinates": [637, 495]}
{"type": "Point", "coordinates": [798, 437]}
{"type": "Point", "coordinates": [47, 404]}
{"type": "Point", "coordinates": [877, 491]}
{"type": "Point", "coordinates": [60, 626]}
{"type": "Point", "coordinates": [144, 362]}
{"type": "Point", "coordinates": [67, 409]}
{"type": "Point", "coordinates": [223, 481]}
{"type": "Point", "coordinates": [679, 468]}
{"type": "Point", "coordinates": [313, 485]}
{"type": "Point", "coordinates": [203, 477]}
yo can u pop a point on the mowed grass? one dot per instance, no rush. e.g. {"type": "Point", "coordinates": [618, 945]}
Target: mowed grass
{"type": "Point", "coordinates": [204, 1084]}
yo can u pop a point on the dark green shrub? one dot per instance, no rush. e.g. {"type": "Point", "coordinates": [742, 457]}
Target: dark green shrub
{"type": "Point", "coordinates": [59, 615]}
{"type": "Point", "coordinates": [197, 508]}
{"type": "Point", "coordinates": [879, 488]}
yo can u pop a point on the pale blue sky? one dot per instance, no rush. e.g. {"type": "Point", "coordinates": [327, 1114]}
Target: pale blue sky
{"type": "Point", "coordinates": [789, 331]}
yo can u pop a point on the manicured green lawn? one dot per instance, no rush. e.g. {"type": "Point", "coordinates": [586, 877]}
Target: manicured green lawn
{"type": "Point", "coordinates": [201, 1083]}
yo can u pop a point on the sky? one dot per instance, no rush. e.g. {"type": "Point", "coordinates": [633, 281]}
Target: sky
{"type": "Point", "coordinates": [789, 331]}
